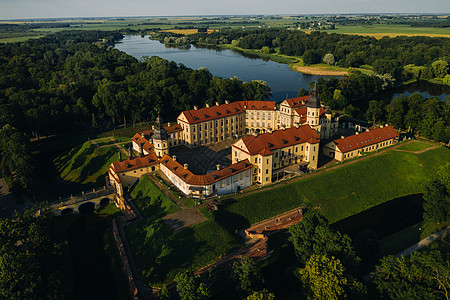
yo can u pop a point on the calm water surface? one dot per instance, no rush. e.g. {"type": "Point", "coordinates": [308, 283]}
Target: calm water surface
{"type": "Point", "coordinates": [227, 63]}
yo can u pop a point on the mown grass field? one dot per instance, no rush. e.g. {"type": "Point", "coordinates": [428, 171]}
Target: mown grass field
{"type": "Point", "coordinates": [380, 30]}
{"type": "Point", "coordinates": [340, 192]}
{"type": "Point", "coordinates": [160, 253]}
{"type": "Point", "coordinates": [415, 146]}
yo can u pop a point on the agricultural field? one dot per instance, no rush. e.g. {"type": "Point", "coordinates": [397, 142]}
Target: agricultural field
{"type": "Point", "coordinates": [391, 30]}
{"type": "Point", "coordinates": [161, 253]}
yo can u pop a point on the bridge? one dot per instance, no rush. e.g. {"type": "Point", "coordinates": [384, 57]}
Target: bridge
{"type": "Point", "coordinates": [72, 204]}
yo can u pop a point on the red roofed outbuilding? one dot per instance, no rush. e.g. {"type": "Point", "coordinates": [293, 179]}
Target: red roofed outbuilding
{"type": "Point", "coordinates": [354, 145]}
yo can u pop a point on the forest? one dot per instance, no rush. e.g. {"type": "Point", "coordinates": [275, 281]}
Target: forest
{"type": "Point", "coordinates": [71, 81]}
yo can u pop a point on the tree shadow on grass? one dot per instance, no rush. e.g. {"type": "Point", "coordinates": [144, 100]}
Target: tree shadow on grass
{"type": "Point", "coordinates": [230, 221]}
{"type": "Point", "coordinates": [94, 165]}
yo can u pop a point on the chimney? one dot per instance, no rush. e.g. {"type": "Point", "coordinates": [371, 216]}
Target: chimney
{"type": "Point", "coordinates": [120, 155]}
{"type": "Point", "coordinates": [143, 135]}
{"type": "Point", "coordinates": [153, 127]}
{"type": "Point", "coordinates": [386, 125]}
{"type": "Point", "coordinates": [185, 166]}
{"type": "Point", "coordinates": [174, 157]}
{"type": "Point", "coordinates": [357, 133]}
{"type": "Point", "coordinates": [227, 102]}
{"type": "Point", "coordinates": [207, 105]}
{"type": "Point", "coordinates": [217, 103]}
{"type": "Point", "coordinates": [218, 167]}
{"type": "Point", "coordinates": [195, 107]}
{"type": "Point", "coordinates": [367, 130]}
{"type": "Point", "coordinates": [141, 149]}
{"type": "Point", "coordinates": [168, 124]}
{"type": "Point", "coordinates": [342, 137]}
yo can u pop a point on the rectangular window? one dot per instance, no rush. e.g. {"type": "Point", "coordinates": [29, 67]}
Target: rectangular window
{"type": "Point", "coordinates": [267, 171]}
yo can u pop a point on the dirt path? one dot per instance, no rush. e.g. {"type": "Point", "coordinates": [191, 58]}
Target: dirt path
{"type": "Point", "coordinates": [419, 151]}
{"type": "Point", "coordinates": [116, 144]}
{"type": "Point", "coordinates": [318, 71]}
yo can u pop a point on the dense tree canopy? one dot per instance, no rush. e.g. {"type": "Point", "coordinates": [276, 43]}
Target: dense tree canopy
{"type": "Point", "coordinates": [313, 236]}
{"type": "Point", "coordinates": [28, 259]}
{"type": "Point", "coordinates": [325, 277]}
{"type": "Point", "coordinates": [420, 276]}
{"type": "Point", "coordinates": [189, 287]}
{"type": "Point", "coordinates": [62, 82]}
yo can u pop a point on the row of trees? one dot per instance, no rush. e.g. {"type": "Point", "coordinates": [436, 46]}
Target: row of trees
{"type": "Point", "coordinates": [427, 117]}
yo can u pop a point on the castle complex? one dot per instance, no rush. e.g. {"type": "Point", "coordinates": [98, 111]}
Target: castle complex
{"type": "Point", "coordinates": [269, 141]}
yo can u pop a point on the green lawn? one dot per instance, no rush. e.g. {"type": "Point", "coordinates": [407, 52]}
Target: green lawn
{"type": "Point", "coordinates": [415, 146]}
{"type": "Point", "coordinates": [160, 253]}
{"type": "Point", "coordinates": [82, 167]}
{"type": "Point", "coordinates": [341, 192]}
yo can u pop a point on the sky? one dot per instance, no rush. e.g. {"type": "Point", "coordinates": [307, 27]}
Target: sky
{"type": "Point", "coordinates": [26, 9]}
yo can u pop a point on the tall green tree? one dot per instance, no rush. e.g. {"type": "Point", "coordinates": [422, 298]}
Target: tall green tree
{"type": "Point", "coordinates": [375, 111]}
{"type": "Point", "coordinates": [246, 272]}
{"type": "Point", "coordinates": [436, 197]}
{"type": "Point", "coordinates": [313, 236]}
{"type": "Point", "coordinates": [189, 287]}
{"type": "Point", "coordinates": [325, 278]}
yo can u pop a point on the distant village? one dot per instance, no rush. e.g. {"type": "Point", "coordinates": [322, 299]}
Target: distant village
{"type": "Point", "coordinates": [270, 142]}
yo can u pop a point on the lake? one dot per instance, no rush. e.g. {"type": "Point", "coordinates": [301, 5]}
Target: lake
{"type": "Point", "coordinates": [227, 63]}
{"type": "Point", "coordinates": [224, 63]}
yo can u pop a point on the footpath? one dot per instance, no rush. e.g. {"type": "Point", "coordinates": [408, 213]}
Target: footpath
{"type": "Point", "coordinates": [440, 235]}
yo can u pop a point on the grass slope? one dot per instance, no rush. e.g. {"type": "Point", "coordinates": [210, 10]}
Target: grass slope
{"type": "Point", "coordinates": [159, 252]}
{"type": "Point", "coordinates": [85, 165]}
{"type": "Point", "coordinates": [415, 146]}
{"type": "Point", "coordinates": [344, 191]}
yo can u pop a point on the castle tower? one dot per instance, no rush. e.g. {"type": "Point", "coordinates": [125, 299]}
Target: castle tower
{"type": "Point", "coordinates": [160, 139]}
{"type": "Point", "coordinates": [313, 110]}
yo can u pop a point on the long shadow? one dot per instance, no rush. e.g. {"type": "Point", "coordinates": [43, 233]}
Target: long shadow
{"type": "Point", "coordinates": [94, 165]}
{"type": "Point", "coordinates": [92, 274]}
{"type": "Point", "coordinates": [230, 221]}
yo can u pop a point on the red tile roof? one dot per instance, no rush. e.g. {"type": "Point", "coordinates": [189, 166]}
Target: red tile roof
{"type": "Point", "coordinates": [169, 130]}
{"type": "Point", "coordinates": [193, 179]}
{"type": "Point", "coordinates": [225, 110]}
{"type": "Point", "coordinates": [258, 105]}
{"type": "Point", "coordinates": [303, 111]}
{"type": "Point", "coordinates": [280, 139]}
{"type": "Point", "coordinates": [134, 163]}
{"type": "Point", "coordinates": [213, 112]}
{"type": "Point", "coordinates": [297, 102]}
{"type": "Point", "coordinates": [366, 139]}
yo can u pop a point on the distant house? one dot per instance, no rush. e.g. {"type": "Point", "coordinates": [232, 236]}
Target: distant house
{"type": "Point", "coordinates": [353, 146]}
